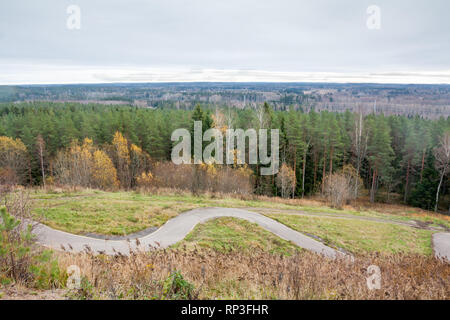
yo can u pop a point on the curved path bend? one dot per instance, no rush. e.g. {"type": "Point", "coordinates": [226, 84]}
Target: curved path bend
{"type": "Point", "coordinates": [441, 245]}
{"type": "Point", "coordinates": [174, 231]}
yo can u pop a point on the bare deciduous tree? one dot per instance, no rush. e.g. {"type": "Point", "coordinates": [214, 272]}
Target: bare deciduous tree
{"type": "Point", "coordinates": [359, 143]}
{"type": "Point", "coordinates": [286, 181]}
{"type": "Point", "coordinates": [341, 187]}
{"type": "Point", "coordinates": [40, 145]}
{"type": "Point", "coordinates": [442, 155]}
{"type": "Point", "coordinates": [337, 189]}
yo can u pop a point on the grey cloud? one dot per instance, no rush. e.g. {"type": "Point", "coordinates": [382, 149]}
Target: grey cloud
{"type": "Point", "coordinates": [271, 35]}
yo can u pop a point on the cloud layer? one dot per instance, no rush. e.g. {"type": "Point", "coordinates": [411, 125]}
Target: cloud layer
{"type": "Point", "coordinates": [206, 40]}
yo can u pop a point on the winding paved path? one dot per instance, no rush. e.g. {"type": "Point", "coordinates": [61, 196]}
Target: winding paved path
{"type": "Point", "coordinates": [440, 241]}
{"type": "Point", "coordinates": [174, 231]}
{"type": "Point", "coordinates": [441, 245]}
{"type": "Point", "coordinates": [177, 228]}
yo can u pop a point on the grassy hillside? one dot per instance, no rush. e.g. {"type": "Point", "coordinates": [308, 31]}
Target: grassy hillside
{"type": "Point", "coordinates": [358, 236]}
{"type": "Point", "coordinates": [229, 258]}
{"type": "Point", "coordinates": [231, 234]}
{"type": "Point", "coordinates": [357, 230]}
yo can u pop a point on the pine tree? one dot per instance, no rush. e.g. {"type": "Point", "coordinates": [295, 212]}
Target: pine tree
{"type": "Point", "coordinates": [424, 193]}
{"type": "Point", "coordinates": [409, 152]}
{"type": "Point", "coordinates": [295, 143]}
{"type": "Point", "coordinates": [379, 150]}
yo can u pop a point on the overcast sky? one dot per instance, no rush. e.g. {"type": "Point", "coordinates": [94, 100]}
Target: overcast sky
{"type": "Point", "coordinates": [224, 40]}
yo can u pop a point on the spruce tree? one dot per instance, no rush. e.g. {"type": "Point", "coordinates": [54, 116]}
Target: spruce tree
{"type": "Point", "coordinates": [424, 193]}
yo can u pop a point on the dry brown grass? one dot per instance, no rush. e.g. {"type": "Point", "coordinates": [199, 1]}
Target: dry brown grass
{"type": "Point", "coordinates": [233, 275]}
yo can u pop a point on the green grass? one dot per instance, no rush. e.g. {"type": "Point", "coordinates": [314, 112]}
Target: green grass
{"type": "Point", "coordinates": [107, 213]}
{"type": "Point", "coordinates": [125, 212]}
{"type": "Point", "coordinates": [121, 213]}
{"type": "Point", "coordinates": [225, 234]}
{"type": "Point", "coordinates": [358, 236]}
{"type": "Point", "coordinates": [398, 216]}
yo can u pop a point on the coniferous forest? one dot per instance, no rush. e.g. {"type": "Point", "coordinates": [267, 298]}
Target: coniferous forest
{"type": "Point", "coordinates": [396, 158]}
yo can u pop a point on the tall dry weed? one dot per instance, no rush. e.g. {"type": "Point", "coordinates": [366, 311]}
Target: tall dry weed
{"type": "Point", "coordinates": [262, 275]}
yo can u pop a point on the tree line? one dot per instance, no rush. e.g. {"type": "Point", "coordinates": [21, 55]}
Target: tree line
{"type": "Point", "coordinates": [393, 155]}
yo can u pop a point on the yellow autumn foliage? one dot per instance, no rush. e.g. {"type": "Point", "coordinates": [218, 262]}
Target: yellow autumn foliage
{"type": "Point", "coordinates": [8, 144]}
{"type": "Point", "coordinates": [219, 121]}
{"type": "Point", "coordinates": [104, 174]}
{"type": "Point", "coordinates": [86, 166]}
{"type": "Point", "coordinates": [119, 164]}
{"type": "Point", "coordinates": [13, 157]}
{"type": "Point", "coordinates": [120, 144]}
{"type": "Point", "coordinates": [145, 180]}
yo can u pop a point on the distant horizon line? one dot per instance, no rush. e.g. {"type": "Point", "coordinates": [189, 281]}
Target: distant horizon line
{"type": "Point", "coordinates": [41, 74]}
{"type": "Point", "coordinates": [221, 82]}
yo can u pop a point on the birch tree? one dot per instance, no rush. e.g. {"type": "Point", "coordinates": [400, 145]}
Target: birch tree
{"type": "Point", "coordinates": [442, 155]}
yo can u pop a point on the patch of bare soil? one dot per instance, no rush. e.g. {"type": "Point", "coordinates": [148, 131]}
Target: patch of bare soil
{"type": "Point", "coordinates": [22, 293]}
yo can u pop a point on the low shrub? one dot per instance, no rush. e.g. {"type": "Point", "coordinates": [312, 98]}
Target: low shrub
{"type": "Point", "coordinates": [175, 287]}
{"type": "Point", "coordinates": [20, 260]}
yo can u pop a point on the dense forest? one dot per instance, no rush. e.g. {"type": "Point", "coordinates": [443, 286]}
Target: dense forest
{"type": "Point", "coordinates": [391, 155]}
{"type": "Point", "coordinates": [428, 101]}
